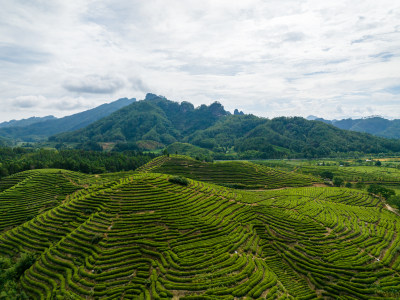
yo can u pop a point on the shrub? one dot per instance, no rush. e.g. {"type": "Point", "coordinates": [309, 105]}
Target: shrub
{"type": "Point", "coordinates": [337, 181]}
{"type": "Point", "coordinates": [394, 200]}
{"type": "Point", "coordinates": [348, 185]}
{"type": "Point", "coordinates": [327, 175]}
{"type": "Point", "coordinates": [380, 190]}
{"type": "Point", "coordinates": [179, 180]}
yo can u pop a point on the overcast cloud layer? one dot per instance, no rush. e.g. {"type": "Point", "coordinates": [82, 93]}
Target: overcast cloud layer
{"type": "Point", "coordinates": [271, 58]}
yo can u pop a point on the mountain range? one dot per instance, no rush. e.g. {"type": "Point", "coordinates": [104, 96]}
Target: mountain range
{"type": "Point", "coordinates": [375, 125]}
{"type": "Point", "coordinates": [161, 122]}
{"type": "Point", "coordinates": [157, 122]}
{"type": "Point", "coordinates": [26, 122]}
{"type": "Point", "coordinates": [36, 129]}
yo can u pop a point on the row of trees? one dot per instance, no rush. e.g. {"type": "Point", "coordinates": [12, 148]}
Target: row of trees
{"type": "Point", "coordinates": [376, 189]}
{"type": "Point", "coordinates": [14, 160]}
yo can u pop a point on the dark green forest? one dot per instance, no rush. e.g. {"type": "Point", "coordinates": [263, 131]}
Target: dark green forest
{"type": "Point", "coordinates": [14, 160]}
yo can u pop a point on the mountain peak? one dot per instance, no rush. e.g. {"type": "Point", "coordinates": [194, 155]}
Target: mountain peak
{"type": "Point", "coordinates": [150, 96]}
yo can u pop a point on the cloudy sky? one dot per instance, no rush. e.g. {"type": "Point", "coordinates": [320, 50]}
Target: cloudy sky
{"type": "Point", "coordinates": [271, 58]}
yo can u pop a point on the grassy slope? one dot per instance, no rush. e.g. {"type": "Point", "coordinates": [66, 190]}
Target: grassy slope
{"type": "Point", "coordinates": [141, 236]}
{"type": "Point", "coordinates": [237, 174]}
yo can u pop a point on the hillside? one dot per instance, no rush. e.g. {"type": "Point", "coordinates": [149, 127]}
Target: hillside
{"type": "Point", "coordinates": [165, 122]}
{"type": "Point", "coordinates": [375, 125]}
{"type": "Point", "coordinates": [237, 174]}
{"type": "Point", "coordinates": [5, 142]}
{"type": "Point", "coordinates": [144, 237]}
{"type": "Point", "coordinates": [42, 130]}
{"type": "Point", "coordinates": [291, 137]}
{"type": "Point", "coordinates": [27, 194]}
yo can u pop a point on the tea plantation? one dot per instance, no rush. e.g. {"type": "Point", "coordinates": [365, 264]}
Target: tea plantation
{"type": "Point", "coordinates": [236, 174]}
{"type": "Point", "coordinates": [26, 194]}
{"type": "Point", "coordinates": [144, 236]}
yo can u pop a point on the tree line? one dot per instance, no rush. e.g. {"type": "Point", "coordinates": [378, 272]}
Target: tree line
{"type": "Point", "coordinates": [14, 160]}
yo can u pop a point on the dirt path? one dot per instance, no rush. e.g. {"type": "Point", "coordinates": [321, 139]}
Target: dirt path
{"type": "Point", "coordinates": [388, 207]}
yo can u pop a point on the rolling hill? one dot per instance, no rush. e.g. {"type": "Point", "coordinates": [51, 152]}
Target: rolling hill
{"type": "Point", "coordinates": [26, 194]}
{"type": "Point", "coordinates": [237, 174]}
{"type": "Point", "coordinates": [142, 236]}
{"type": "Point", "coordinates": [165, 122]}
{"type": "Point", "coordinates": [44, 128]}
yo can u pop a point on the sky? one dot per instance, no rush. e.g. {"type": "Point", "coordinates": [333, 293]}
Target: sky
{"type": "Point", "coordinates": [332, 59]}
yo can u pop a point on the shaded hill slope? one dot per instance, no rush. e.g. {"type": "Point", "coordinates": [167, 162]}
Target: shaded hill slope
{"type": "Point", "coordinates": [143, 237]}
{"type": "Point", "coordinates": [42, 130]}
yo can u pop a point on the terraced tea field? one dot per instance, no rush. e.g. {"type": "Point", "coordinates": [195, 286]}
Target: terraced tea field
{"type": "Point", "coordinates": [236, 174]}
{"type": "Point", "coordinates": [26, 194]}
{"type": "Point", "coordinates": [140, 236]}
{"type": "Point", "coordinates": [366, 174]}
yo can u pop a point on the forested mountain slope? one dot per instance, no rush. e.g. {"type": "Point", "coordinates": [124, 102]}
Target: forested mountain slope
{"type": "Point", "coordinates": [165, 122]}
{"type": "Point", "coordinates": [155, 118]}
{"type": "Point", "coordinates": [295, 135]}
{"type": "Point", "coordinates": [375, 125]}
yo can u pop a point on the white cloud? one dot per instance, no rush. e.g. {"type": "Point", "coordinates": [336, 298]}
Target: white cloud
{"type": "Point", "coordinates": [27, 101]}
{"type": "Point", "coordinates": [269, 58]}
{"type": "Point", "coordinates": [94, 84]}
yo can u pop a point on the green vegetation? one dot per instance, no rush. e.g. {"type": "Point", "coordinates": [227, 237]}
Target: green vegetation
{"type": "Point", "coordinates": [374, 125]}
{"type": "Point", "coordinates": [144, 236]}
{"type": "Point", "coordinates": [353, 170]}
{"type": "Point", "coordinates": [25, 195]}
{"type": "Point", "coordinates": [190, 150]}
{"type": "Point", "coordinates": [295, 137]}
{"type": "Point", "coordinates": [381, 191]}
{"type": "Point", "coordinates": [156, 119]}
{"type": "Point", "coordinates": [158, 122]}
{"type": "Point", "coordinates": [10, 274]}
{"type": "Point", "coordinates": [235, 174]}
{"type": "Point", "coordinates": [179, 180]}
{"type": "Point", "coordinates": [13, 160]}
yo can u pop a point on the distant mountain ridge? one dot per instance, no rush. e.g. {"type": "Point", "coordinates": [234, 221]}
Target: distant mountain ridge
{"type": "Point", "coordinates": [36, 129]}
{"type": "Point", "coordinates": [374, 125]}
{"type": "Point", "coordinates": [162, 122]}
{"type": "Point", "coordinates": [26, 122]}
